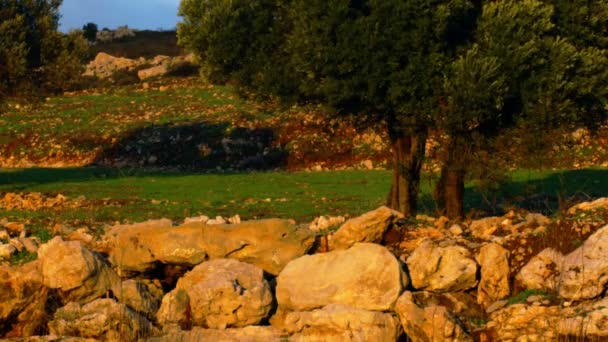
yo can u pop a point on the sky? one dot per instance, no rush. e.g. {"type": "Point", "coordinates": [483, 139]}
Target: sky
{"type": "Point", "coordinates": [137, 14]}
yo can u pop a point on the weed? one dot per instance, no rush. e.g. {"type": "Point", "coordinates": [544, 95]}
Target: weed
{"type": "Point", "coordinates": [523, 296]}
{"type": "Point", "coordinates": [23, 257]}
{"type": "Point", "coordinates": [43, 234]}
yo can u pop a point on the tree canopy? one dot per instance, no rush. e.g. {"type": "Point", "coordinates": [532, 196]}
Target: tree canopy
{"type": "Point", "coordinates": [34, 55]}
{"type": "Point", "coordinates": [459, 67]}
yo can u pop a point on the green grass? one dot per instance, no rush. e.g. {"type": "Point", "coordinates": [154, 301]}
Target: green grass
{"type": "Point", "coordinates": [137, 195]}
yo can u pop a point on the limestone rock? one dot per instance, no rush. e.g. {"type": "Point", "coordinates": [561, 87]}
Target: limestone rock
{"type": "Point", "coordinates": [584, 206]}
{"type": "Point", "coordinates": [246, 334]}
{"type": "Point", "coordinates": [494, 283]}
{"type": "Point", "coordinates": [79, 274]}
{"type": "Point", "coordinates": [102, 319]}
{"type": "Point", "coordinates": [585, 271]}
{"type": "Point", "coordinates": [366, 276]}
{"type": "Point", "coordinates": [222, 293]}
{"type": "Point", "coordinates": [155, 71]}
{"type": "Point", "coordinates": [485, 227]}
{"type": "Point", "coordinates": [428, 323]}
{"type": "Point", "coordinates": [337, 322]}
{"type": "Point", "coordinates": [104, 65]}
{"type": "Point", "coordinates": [369, 227]}
{"type": "Point", "coordinates": [6, 251]}
{"type": "Point", "coordinates": [441, 269]}
{"type": "Point", "coordinates": [542, 272]}
{"type": "Point", "coordinates": [22, 300]}
{"type": "Point", "coordinates": [143, 296]}
{"type": "Point", "coordinates": [586, 321]}
{"type": "Point", "coordinates": [269, 244]}
{"type": "Point", "coordinates": [175, 311]}
{"type": "Point", "coordinates": [524, 323]}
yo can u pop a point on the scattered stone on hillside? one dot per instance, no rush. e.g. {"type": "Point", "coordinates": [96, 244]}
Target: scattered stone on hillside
{"type": "Point", "coordinates": [423, 322]}
{"type": "Point", "coordinates": [217, 220]}
{"type": "Point", "coordinates": [537, 219]}
{"type": "Point", "coordinates": [4, 235]}
{"type": "Point", "coordinates": [441, 269]}
{"type": "Point", "coordinates": [22, 300]}
{"type": "Point", "coordinates": [494, 282]}
{"type": "Point", "coordinates": [369, 227]}
{"type": "Point", "coordinates": [366, 276]}
{"type": "Point", "coordinates": [542, 272]}
{"type": "Point", "coordinates": [103, 319]}
{"type": "Point", "coordinates": [81, 234]}
{"type": "Point", "coordinates": [221, 293]}
{"type": "Point", "coordinates": [337, 322]}
{"type": "Point", "coordinates": [325, 222]}
{"type": "Point", "coordinates": [600, 203]}
{"type": "Point", "coordinates": [35, 201]}
{"type": "Point", "coordinates": [246, 334]}
{"type": "Point", "coordinates": [484, 228]}
{"type": "Point", "coordinates": [6, 251]}
{"type": "Point", "coordinates": [269, 244]}
{"type": "Point", "coordinates": [585, 269]}
{"type": "Point", "coordinates": [77, 273]}
{"type": "Point", "coordinates": [143, 296]}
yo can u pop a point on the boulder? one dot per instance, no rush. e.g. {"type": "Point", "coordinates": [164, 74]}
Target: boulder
{"type": "Point", "coordinates": [369, 227]}
{"type": "Point", "coordinates": [585, 270]}
{"type": "Point", "coordinates": [22, 300]}
{"type": "Point", "coordinates": [366, 276]}
{"type": "Point", "coordinates": [103, 319]}
{"type": "Point", "coordinates": [104, 65]}
{"type": "Point", "coordinates": [143, 296]}
{"type": "Point", "coordinates": [246, 334]}
{"type": "Point", "coordinates": [337, 322]}
{"type": "Point", "coordinates": [441, 269]}
{"type": "Point", "coordinates": [428, 322]}
{"type": "Point", "coordinates": [269, 244]}
{"type": "Point", "coordinates": [155, 71]}
{"type": "Point", "coordinates": [485, 227]}
{"type": "Point", "coordinates": [6, 251]}
{"type": "Point", "coordinates": [542, 272]}
{"type": "Point", "coordinates": [494, 282]}
{"type": "Point", "coordinates": [600, 203]}
{"type": "Point", "coordinates": [220, 293]}
{"type": "Point", "coordinates": [77, 273]}
{"type": "Point", "coordinates": [524, 323]}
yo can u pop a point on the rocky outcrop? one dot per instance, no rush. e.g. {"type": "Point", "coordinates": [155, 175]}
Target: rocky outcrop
{"type": "Point", "coordinates": [369, 227]}
{"type": "Point", "coordinates": [428, 322]}
{"type": "Point", "coordinates": [220, 293]}
{"type": "Point", "coordinates": [102, 319]}
{"type": "Point", "coordinates": [442, 269]}
{"type": "Point", "coordinates": [104, 65]}
{"type": "Point", "coordinates": [144, 296]}
{"type": "Point", "coordinates": [269, 244]}
{"type": "Point", "coordinates": [22, 300]}
{"type": "Point", "coordinates": [78, 274]}
{"type": "Point", "coordinates": [494, 282]}
{"type": "Point", "coordinates": [366, 276]}
{"type": "Point", "coordinates": [337, 322]}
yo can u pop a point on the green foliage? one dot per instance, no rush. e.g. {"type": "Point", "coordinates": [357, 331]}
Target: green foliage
{"type": "Point", "coordinates": [521, 297]}
{"type": "Point", "coordinates": [90, 31]}
{"type": "Point", "coordinates": [34, 55]}
{"type": "Point", "coordinates": [23, 257]}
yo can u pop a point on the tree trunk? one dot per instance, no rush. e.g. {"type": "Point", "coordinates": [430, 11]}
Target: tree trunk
{"type": "Point", "coordinates": [408, 155]}
{"type": "Point", "coordinates": [449, 190]}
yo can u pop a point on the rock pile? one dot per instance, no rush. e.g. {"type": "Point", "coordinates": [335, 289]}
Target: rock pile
{"type": "Point", "coordinates": [105, 65]}
{"type": "Point", "coordinates": [263, 281]}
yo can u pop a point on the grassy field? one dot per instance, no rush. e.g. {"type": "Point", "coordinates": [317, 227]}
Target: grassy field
{"type": "Point", "coordinates": [106, 196]}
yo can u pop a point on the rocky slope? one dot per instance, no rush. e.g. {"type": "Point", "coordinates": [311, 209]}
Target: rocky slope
{"type": "Point", "coordinates": [377, 277]}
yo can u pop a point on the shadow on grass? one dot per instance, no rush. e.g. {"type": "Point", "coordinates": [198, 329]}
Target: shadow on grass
{"type": "Point", "coordinates": [195, 147]}
{"type": "Point", "coordinates": [538, 191]}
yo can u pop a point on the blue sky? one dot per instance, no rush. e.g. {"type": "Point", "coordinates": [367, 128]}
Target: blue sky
{"type": "Point", "coordinates": [138, 14]}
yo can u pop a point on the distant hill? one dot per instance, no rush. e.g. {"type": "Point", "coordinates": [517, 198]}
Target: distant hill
{"type": "Point", "coordinates": [145, 44]}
